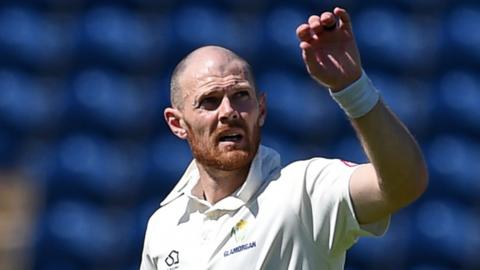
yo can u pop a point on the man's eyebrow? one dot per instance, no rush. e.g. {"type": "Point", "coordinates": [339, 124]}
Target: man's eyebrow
{"type": "Point", "coordinates": [241, 85]}
{"type": "Point", "coordinates": [208, 92]}
{"type": "Point", "coordinates": [197, 98]}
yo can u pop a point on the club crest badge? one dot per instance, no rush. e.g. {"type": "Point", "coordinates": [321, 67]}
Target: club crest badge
{"type": "Point", "coordinates": [239, 230]}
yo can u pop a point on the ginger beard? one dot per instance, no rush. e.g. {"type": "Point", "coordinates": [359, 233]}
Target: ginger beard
{"type": "Point", "coordinates": [208, 153]}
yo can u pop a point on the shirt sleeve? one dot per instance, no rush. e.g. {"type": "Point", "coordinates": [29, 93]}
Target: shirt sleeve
{"type": "Point", "coordinates": [327, 196]}
{"type": "Point", "coordinates": [147, 262]}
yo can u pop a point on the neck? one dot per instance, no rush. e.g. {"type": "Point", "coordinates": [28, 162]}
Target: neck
{"type": "Point", "coordinates": [214, 184]}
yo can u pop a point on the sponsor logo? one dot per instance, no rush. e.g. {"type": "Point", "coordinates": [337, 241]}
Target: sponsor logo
{"type": "Point", "coordinates": [239, 233]}
{"type": "Point", "coordinates": [172, 260]}
{"type": "Point", "coordinates": [239, 248]}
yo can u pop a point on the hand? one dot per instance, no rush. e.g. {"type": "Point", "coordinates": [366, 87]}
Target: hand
{"type": "Point", "coordinates": [329, 49]}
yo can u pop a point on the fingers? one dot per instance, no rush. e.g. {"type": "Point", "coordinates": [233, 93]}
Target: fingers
{"type": "Point", "coordinates": [328, 21]}
{"type": "Point", "coordinates": [304, 33]}
{"type": "Point", "coordinates": [305, 45]}
{"type": "Point", "coordinates": [315, 24]}
{"type": "Point", "coordinates": [342, 14]}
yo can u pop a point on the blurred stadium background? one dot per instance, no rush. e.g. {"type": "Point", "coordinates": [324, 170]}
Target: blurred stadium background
{"type": "Point", "coordinates": [86, 157]}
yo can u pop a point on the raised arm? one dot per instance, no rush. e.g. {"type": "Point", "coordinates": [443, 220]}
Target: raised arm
{"type": "Point", "coordinates": [397, 174]}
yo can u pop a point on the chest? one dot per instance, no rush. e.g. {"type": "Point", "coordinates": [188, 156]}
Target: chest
{"type": "Point", "coordinates": [248, 238]}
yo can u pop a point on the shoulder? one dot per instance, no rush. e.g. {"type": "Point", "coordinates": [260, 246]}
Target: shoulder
{"type": "Point", "coordinates": [162, 228]}
{"type": "Point", "coordinates": [318, 165]}
{"type": "Point", "coordinates": [167, 216]}
{"type": "Point", "coordinates": [317, 173]}
{"type": "Point", "coordinates": [299, 174]}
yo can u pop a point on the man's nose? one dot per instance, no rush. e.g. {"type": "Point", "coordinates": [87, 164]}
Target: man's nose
{"type": "Point", "coordinates": [227, 111]}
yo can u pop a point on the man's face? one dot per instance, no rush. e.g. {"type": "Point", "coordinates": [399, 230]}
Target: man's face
{"type": "Point", "coordinates": [221, 113]}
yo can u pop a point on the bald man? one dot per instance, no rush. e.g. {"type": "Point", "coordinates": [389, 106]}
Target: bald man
{"type": "Point", "coordinates": [235, 207]}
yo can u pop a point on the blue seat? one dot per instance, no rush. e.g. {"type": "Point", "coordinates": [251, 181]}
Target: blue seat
{"type": "Point", "coordinates": [87, 234]}
{"type": "Point", "coordinates": [168, 158]}
{"type": "Point", "coordinates": [280, 39]}
{"type": "Point", "coordinates": [111, 102]}
{"type": "Point", "coordinates": [88, 166]}
{"type": "Point", "coordinates": [29, 38]}
{"type": "Point", "coordinates": [372, 252]}
{"type": "Point", "coordinates": [288, 151]}
{"type": "Point", "coordinates": [27, 106]}
{"type": "Point", "coordinates": [36, 159]}
{"type": "Point", "coordinates": [116, 35]}
{"type": "Point", "coordinates": [160, 97]}
{"type": "Point", "coordinates": [349, 148]}
{"type": "Point", "coordinates": [394, 39]}
{"type": "Point", "coordinates": [452, 224]}
{"type": "Point", "coordinates": [454, 163]}
{"type": "Point", "coordinates": [409, 98]}
{"type": "Point", "coordinates": [214, 25]}
{"type": "Point", "coordinates": [250, 46]}
{"type": "Point", "coordinates": [55, 264]}
{"type": "Point", "coordinates": [9, 144]}
{"type": "Point", "coordinates": [152, 3]}
{"type": "Point", "coordinates": [143, 212]}
{"type": "Point", "coordinates": [451, 104]}
{"type": "Point", "coordinates": [281, 24]}
{"type": "Point", "coordinates": [197, 25]}
{"type": "Point", "coordinates": [431, 266]}
{"type": "Point", "coordinates": [460, 29]}
{"type": "Point", "coordinates": [297, 104]}
{"type": "Point", "coordinates": [253, 4]}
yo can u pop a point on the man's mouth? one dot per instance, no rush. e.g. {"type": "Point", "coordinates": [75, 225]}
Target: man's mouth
{"type": "Point", "coordinates": [236, 137]}
{"type": "Point", "coordinates": [231, 135]}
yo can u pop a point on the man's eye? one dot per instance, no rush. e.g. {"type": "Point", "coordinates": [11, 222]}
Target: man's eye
{"type": "Point", "coordinates": [209, 103]}
{"type": "Point", "coordinates": [242, 94]}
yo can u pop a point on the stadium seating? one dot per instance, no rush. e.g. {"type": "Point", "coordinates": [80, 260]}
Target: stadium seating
{"type": "Point", "coordinates": [84, 84]}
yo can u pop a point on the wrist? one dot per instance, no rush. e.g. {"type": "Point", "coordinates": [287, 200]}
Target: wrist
{"type": "Point", "coordinates": [344, 85]}
{"type": "Point", "coordinates": [358, 98]}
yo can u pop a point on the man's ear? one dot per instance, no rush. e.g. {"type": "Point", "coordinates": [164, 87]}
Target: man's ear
{"type": "Point", "coordinates": [174, 120]}
{"type": "Point", "coordinates": [262, 108]}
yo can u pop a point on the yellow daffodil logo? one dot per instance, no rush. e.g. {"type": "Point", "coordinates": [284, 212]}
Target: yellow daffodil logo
{"type": "Point", "coordinates": [238, 231]}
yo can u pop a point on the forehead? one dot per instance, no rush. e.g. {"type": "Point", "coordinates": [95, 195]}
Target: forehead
{"type": "Point", "coordinates": [212, 68]}
{"type": "Point", "coordinates": [203, 73]}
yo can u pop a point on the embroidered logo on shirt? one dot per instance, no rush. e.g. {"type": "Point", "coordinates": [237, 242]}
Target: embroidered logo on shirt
{"type": "Point", "coordinates": [239, 230]}
{"type": "Point", "coordinates": [239, 249]}
{"type": "Point", "coordinates": [172, 259]}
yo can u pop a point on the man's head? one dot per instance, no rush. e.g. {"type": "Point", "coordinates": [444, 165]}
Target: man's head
{"type": "Point", "coordinates": [216, 107]}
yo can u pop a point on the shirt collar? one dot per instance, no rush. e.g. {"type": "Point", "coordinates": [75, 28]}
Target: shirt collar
{"type": "Point", "coordinates": [265, 166]}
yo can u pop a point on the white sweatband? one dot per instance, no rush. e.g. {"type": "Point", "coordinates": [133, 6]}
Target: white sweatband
{"type": "Point", "coordinates": [358, 98]}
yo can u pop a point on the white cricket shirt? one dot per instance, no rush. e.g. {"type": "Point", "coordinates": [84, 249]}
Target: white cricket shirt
{"type": "Point", "coordinates": [299, 217]}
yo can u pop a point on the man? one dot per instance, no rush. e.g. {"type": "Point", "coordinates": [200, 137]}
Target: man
{"type": "Point", "coordinates": [236, 208]}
